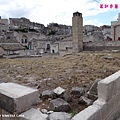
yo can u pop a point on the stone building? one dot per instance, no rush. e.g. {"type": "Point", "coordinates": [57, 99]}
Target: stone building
{"type": "Point", "coordinates": [115, 29]}
{"type": "Point", "coordinates": [59, 29]}
{"type": "Point", "coordinates": [24, 23]}
{"type": "Point", "coordinates": [4, 27]}
{"type": "Point", "coordinates": [24, 37]}
{"type": "Point", "coordinates": [87, 29]}
{"type": "Point", "coordinates": [106, 30]}
{"type": "Point", "coordinates": [11, 47]}
{"type": "Point", "coordinates": [19, 22]}
{"type": "Point", "coordinates": [77, 32]}
{"type": "Point", "coordinates": [93, 36]}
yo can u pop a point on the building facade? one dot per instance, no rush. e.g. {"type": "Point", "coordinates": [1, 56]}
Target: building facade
{"type": "Point", "coordinates": [115, 29]}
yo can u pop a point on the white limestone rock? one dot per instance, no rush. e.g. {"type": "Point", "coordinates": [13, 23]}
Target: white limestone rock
{"type": "Point", "coordinates": [59, 116]}
{"type": "Point", "coordinates": [59, 90]}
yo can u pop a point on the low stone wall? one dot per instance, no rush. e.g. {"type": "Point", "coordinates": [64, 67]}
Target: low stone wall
{"type": "Point", "coordinates": [107, 106]}
{"type": "Point", "coordinates": [101, 45]}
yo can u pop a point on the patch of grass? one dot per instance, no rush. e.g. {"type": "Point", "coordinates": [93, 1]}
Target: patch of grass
{"type": "Point", "coordinates": [91, 78]}
{"type": "Point", "coordinates": [73, 113]}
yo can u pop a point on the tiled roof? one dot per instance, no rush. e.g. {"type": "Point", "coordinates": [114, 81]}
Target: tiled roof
{"type": "Point", "coordinates": [8, 41]}
{"type": "Point", "coordinates": [12, 47]}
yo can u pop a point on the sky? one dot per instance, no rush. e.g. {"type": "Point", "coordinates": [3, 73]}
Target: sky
{"type": "Point", "coordinates": [61, 11]}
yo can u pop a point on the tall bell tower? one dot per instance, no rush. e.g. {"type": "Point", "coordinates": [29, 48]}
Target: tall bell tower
{"type": "Point", "coordinates": [77, 32]}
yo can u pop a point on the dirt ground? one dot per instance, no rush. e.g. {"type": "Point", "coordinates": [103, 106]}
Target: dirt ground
{"type": "Point", "coordinates": [49, 72]}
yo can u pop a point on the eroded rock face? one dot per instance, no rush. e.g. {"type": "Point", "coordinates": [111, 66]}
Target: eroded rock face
{"type": "Point", "coordinates": [58, 105]}
{"type": "Point", "coordinates": [59, 116]}
{"type": "Point", "coordinates": [78, 91]}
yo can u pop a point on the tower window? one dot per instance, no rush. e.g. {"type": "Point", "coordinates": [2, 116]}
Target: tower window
{"type": "Point", "coordinates": [118, 38]}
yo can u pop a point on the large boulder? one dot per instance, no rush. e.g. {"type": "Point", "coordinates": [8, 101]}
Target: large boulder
{"type": "Point", "coordinates": [59, 105]}
{"type": "Point", "coordinates": [78, 91]}
{"type": "Point", "coordinates": [48, 94]}
{"type": "Point", "coordinates": [67, 97]}
{"type": "Point", "coordinates": [59, 116]}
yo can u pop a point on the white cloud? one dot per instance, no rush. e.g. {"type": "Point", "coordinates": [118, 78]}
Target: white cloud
{"type": "Point", "coordinates": [92, 22]}
{"type": "Point", "coordinates": [47, 11]}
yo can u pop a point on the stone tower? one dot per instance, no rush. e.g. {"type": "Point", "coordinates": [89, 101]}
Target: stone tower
{"type": "Point", "coordinates": [77, 32]}
{"type": "Point", "coordinates": [118, 17]}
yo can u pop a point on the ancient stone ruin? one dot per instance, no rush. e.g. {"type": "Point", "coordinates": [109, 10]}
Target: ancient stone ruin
{"type": "Point", "coordinates": [16, 102]}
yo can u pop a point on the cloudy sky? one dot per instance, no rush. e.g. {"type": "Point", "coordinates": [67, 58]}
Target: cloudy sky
{"type": "Point", "coordinates": [60, 11]}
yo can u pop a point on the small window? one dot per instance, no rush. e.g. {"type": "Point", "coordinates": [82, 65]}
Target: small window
{"type": "Point", "coordinates": [25, 40]}
{"type": "Point", "coordinates": [22, 41]}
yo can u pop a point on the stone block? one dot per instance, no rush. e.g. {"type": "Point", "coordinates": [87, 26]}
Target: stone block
{"type": "Point", "coordinates": [8, 116]}
{"type": "Point", "coordinates": [16, 98]}
{"type": "Point", "coordinates": [31, 114]}
{"type": "Point", "coordinates": [59, 90]}
{"type": "Point", "coordinates": [59, 116]}
{"type": "Point", "coordinates": [78, 91]}
{"type": "Point", "coordinates": [59, 105]}
{"type": "Point", "coordinates": [116, 113]}
{"type": "Point", "coordinates": [48, 94]}
{"type": "Point", "coordinates": [85, 100]}
{"type": "Point", "coordinates": [99, 103]}
{"type": "Point", "coordinates": [94, 87]}
{"type": "Point", "coordinates": [34, 114]}
{"type": "Point", "coordinates": [67, 97]}
{"type": "Point", "coordinates": [111, 116]}
{"type": "Point", "coordinates": [90, 113]}
{"type": "Point", "coordinates": [106, 89]}
{"type": "Point", "coordinates": [117, 81]}
{"type": "Point", "coordinates": [108, 108]}
{"type": "Point", "coordinates": [117, 98]}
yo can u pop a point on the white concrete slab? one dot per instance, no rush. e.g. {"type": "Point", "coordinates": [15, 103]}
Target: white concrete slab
{"type": "Point", "coordinates": [16, 98]}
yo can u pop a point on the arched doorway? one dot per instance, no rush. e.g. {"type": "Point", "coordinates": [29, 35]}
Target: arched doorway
{"type": "Point", "coordinates": [48, 47]}
{"type": "Point", "coordinates": [53, 51]}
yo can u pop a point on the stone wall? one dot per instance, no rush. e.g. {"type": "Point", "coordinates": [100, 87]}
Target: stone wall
{"type": "Point", "coordinates": [107, 106]}
{"type": "Point", "coordinates": [64, 45]}
{"type": "Point", "coordinates": [115, 29]}
{"type": "Point", "coordinates": [101, 45]}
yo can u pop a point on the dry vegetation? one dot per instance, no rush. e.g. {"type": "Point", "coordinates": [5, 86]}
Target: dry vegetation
{"type": "Point", "coordinates": [50, 72]}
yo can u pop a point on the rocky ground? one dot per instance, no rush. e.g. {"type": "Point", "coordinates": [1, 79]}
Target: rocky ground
{"type": "Point", "coordinates": [49, 72]}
